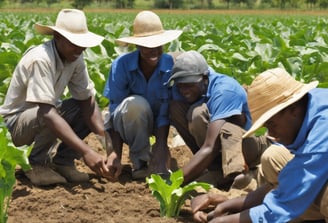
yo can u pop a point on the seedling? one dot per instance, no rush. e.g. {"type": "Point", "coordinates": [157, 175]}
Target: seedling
{"type": "Point", "coordinates": [169, 192]}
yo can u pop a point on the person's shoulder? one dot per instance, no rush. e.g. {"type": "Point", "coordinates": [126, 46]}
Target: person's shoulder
{"type": "Point", "coordinates": [167, 56]}
{"type": "Point", "coordinates": [219, 76]}
{"type": "Point", "coordinates": [38, 48]}
{"type": "Point", "coordinates": [225, 82]}
{"type": "Point", "coordinates": [41, 52]}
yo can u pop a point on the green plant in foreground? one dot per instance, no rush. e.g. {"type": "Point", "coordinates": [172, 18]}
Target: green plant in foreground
{"type": "Point", "coordinates": [169, 192]}
{"type": "Point", "coordinates": [10, 156]}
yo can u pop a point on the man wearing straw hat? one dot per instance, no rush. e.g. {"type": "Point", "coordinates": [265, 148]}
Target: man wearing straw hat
{"type": "Point", "coordinates": [296, 115]}
{"type": "Point", "coordinates": [211, 114]}
{"type": "Point", "coordinates": [139, 101]}
{"type": "Point", "coordinates": [34, 112]}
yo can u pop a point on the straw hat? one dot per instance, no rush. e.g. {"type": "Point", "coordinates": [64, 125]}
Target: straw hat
{"type": "Point", "coordinates": [148, 32]}
{"type": "Point", "coordinates": [72, 24]}
{"type": "Point", "coordinates": [272, 91]}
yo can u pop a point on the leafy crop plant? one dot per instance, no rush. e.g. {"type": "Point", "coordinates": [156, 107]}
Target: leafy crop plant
{"type": "Point", "coordinates": [169, 192]}
{"type": "Point", "coordinates": [10, 156]}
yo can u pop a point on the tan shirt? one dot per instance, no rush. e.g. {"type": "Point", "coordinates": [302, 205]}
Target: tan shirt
{"type": "Point", "coordinates": [41, 77]}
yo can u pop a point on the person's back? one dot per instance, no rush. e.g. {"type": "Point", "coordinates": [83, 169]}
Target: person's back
{"type": "Point", "coordinates": [226, 98]}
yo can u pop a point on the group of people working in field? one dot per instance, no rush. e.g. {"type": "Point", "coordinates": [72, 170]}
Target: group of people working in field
{"type": "Point", "coordinates": [149, 91]}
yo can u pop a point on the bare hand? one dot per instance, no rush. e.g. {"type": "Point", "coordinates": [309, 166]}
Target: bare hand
{"type": "Point", "coordinates": [200, 216]}
{"type": "Point", "coordinates": [200, 202]}
{"type": "Point", "coordinates": [114, 166]}
{"type": "Point", "coordinates": [95, 162]}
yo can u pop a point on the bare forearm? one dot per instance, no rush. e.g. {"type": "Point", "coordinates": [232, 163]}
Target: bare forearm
{"type": "Point", "coordinates": [197, 164]}
{"type": "Point", "coordinates": [64, 132]}
{"type": "Point", "coordinates": [256, 197]}
{"type": "Point", "coordinates": [161, 134]}
{"type": "Point", "coordinates": [207, 153]}
{"type": "Point", "coordinates": [117, 142]}
{"type": "Point", "coordinates": [241, 204]}
{"type": "Point", "coordinates": [92, 116]}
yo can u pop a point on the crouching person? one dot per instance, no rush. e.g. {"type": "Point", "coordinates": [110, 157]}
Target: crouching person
{"type": "Point", "coordinates": [210, 112]}
{"type": "Point", "coordinates": [296, 189]}
{"type": "Point", "coordinates": [35, 114]}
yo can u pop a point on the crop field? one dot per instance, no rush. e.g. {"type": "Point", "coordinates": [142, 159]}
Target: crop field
{"type": "Point", "coordinates": [237, 43]}
{"type": "Point", "coordinates": [240, 44]}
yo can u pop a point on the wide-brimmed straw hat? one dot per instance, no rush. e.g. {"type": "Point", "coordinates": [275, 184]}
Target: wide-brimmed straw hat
{"type": "Point", "coordinates": [72, 24]}
{"type": "Point", "coordinates": [272, 91]}
{"type": "Point", "coordinates": [148, 31]}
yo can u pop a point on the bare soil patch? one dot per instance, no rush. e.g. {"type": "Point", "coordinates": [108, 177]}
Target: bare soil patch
{"type": "Point", "coordinates": [96, 201]}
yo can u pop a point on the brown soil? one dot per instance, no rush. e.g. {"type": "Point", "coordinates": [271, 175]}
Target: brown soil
{"type": "Point", "coordinates": [96, 201]}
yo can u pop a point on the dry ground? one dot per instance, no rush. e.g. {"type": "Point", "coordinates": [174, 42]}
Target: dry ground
{"type": "Point", "coordinates": [126, 201]}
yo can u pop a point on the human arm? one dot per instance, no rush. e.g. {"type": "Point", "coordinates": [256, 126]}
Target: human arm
{"type": "Point", "coordinates": [160, 151]}
{"type": "Point", "coordinates": [203, 158]}
{"type": "Point", "coordinates": [114, 156]}
{"type": "Point", "coordinates": [92, 116]}
{"type": "Point", "coordinates": [113, 141]}
{"type": "Point", "coordinates": [232, 210]}
{"type": "Point", "coordinates": [65, 133]}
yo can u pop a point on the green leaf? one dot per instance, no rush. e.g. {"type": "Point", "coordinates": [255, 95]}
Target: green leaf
{"type": "Point", "coordinates": [169, 192]}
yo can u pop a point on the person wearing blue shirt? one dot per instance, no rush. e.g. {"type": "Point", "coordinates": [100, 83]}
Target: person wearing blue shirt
{"type": "Point", "coordinates": [210, 112]}
{"type": "Point", "coordinates": [138, 107]}
{"type": "Point", "coordinates": [296, 115]}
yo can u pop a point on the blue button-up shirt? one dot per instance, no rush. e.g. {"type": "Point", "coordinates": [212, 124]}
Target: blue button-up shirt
{"type": "Point", "coordinates": [301, 180]}
{"type": "Point", "coordinates": [126, 78]}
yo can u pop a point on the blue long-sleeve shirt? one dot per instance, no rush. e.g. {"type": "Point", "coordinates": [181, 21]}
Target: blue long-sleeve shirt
{"type": "Point", "coordinates": [301, 180]}
{"type": "Point", "coordinates": [125, 79]}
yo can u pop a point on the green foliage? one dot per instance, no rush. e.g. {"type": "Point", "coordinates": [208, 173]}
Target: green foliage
{"type": "Point", "coordinates": [170, 194]}
{"type": "Point", "coordinates": [10, 157]}
{"type": "Point", "coordinates": [80, 4]}
{"type": "Point", "coordinates": [241, 46]}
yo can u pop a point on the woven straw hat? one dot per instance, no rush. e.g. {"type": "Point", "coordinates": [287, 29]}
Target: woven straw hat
{"type": "Point", "coordinates": [272, 91]}
{"type": "Point", "coordinates": [148, 31]}
{"type": "Point", "coordinates": [72, 24]}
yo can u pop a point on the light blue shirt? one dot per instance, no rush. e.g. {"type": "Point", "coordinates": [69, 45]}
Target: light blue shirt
{"type": "Point", "coordinates": [125, 79]}
{"type": "Point", "coordinates": [301, 180]}
{"type": "Point", "coordinates": [225, 97]}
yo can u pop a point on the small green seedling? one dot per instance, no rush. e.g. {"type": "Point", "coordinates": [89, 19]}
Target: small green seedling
{"type": "Point", "coordinates": [169, 192]}
{"type": "Point", "coordinates": [10, 156]}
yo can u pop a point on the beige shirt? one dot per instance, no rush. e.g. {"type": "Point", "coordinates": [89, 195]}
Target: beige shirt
{"type": "Point", "coordinates": [42, 77]}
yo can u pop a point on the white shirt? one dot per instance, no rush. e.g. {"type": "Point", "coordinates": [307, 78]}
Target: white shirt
{"type": "Point", "coordinates": [42, 77]}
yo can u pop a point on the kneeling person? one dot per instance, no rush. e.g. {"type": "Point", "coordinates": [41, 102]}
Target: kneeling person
{"type": "Point", "coordinates": [211, 114]}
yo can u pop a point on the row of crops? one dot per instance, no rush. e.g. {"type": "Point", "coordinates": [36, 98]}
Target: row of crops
{"type": "Point", "coordinates": [238, 45]}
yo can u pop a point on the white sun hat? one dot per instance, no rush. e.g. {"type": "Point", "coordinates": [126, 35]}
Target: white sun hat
{"type": "Point", "coordinates": [272, 91]}
{"type": "Point", "coordinates": [72, 24]}
{"type": "Point", "coordinates": [148, 31]}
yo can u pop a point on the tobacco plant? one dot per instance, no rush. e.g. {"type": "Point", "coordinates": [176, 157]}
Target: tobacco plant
{"type": "Point", "coordinates": [170, 193]}
{"type": "Point", "coordinates": [10, 157]}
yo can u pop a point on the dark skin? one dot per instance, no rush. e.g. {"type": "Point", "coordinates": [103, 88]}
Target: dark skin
{"type": "Point", "coordinates": [90, 113]}
{"type": "Point", "coordinates": [284, 127]}
{"type": "Point", "coordinates": [209, 150]}
{"type": "Point", "coordinates": [148, 61]}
